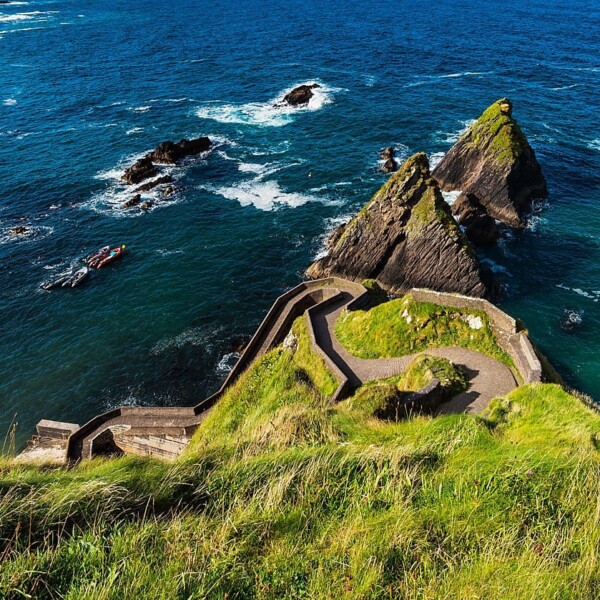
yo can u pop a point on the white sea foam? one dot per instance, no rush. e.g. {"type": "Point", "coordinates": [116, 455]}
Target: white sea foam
{"type": "Point", "coordinates": [36, 15]}
{"type": "Point", "coordinates": [9, 102]}
{"type": "Point", "coordinates": [33, 233]}
{"type": "Point", "coordinates": [435, 159]}
{"type": "Point", "coordinates": [227, 362]}
{"type": "Point", "coordinates": [269, 114]}
{"type": "Point", "coordinates": [594, 144]}
{"type": "Point", "coordinates": [434, 79]}
{"type": "Point", "coordinates": [331, 223]}
{"type": "Point", "coordinates": [110, 201]}
{"type": "Point", "coordinates": [453, 136]}
{"type": "Point", "coordinates": [172, 100]}
{"type": "Point", "coordinates": [168, 252]}
{"type": "Point", "coordinates": [450, 197]}
{"type": "Point", "coordinates": [565, 87]}
{"type": "Point", "coordinates": [265, 195]}
{"type": "Point", "coordinates": [593, 295]}
{"type": "Point", "coordinates": [139, 109]}
{"type": "Point", "coordinates": [195, 336]}
{"type": "Point", "coordinates": [134, 130]}
{"type": "Point", "coordinates": [464, 74]}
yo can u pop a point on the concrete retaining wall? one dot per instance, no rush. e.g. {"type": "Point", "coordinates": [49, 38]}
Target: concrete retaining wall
{"type": "Point", "coordinates": [525, 358]}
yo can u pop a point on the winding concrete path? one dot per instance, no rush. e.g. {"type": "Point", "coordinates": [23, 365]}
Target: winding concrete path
{"type": "Point", "coordinates": [488, 377]}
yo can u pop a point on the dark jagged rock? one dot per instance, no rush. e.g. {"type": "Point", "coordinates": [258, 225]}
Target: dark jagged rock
{"type": "Point", "coordinates": [164, 153]}
{"type": "Point", "coordinates": [494, 163]}
{"type": "Point", "coordinates": [133, 201]}
{"type": "Point", "coordinates": [299, 96]}
{"type": "Point", "coordinates": [478, 225]}
{"type": "Point", "coordinates": [405, 237]}
{"type": "Point", "coordinates": [389, 156]}
{"type": "Point", "coordinates": [169, 191]}
{"type": "Point", "coordinates": [142, 169]}
{"type": "Point", "coordinates": [146, 205]}
{"type": "Point", "coordinates": [171, 153]}
{"type": "Point", "coordinates": [146, 187]}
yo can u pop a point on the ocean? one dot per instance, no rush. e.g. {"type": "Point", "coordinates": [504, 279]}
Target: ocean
{"type": "Point", "coordinates": [88, 87]}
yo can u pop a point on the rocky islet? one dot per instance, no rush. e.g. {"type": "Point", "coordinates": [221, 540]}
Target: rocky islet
{"type": "Point", "coordinates": [495, 166]}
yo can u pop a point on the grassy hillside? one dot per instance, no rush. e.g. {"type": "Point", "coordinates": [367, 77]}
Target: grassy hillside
{"type": "Point", "coordinates": [282, 495]}
{"type": "Point", "coordinates": [404, 326]}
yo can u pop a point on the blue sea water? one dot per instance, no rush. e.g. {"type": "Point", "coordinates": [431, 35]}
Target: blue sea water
{"type": "Point", "coordinates": [88, 86]}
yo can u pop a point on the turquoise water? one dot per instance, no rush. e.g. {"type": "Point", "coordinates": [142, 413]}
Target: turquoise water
{"type": "Point", "coordinates": [87, 87]}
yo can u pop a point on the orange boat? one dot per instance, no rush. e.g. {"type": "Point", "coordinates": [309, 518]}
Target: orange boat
{"type": "Point", "coordinates": [113, 255]}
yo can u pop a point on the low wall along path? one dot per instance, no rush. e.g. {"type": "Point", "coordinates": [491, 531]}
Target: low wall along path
{"type": "Point", "coordinates": [164, 432]}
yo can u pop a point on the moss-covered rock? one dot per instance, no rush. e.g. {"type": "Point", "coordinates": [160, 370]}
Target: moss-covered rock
{"type": "Point", "coordinates": [405, 237]}
{"type": "Point", "coordinates": [494, 163]}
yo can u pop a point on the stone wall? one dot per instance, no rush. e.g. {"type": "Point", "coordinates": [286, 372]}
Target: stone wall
{"type": "Point", "coordinates": [497, 317]}
{"type": "Point", "coordinates": [515, 343]}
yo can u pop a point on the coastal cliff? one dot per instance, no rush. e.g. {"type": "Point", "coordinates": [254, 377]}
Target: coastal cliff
{"type": "Point", "coordinates": [495, 166]}
{"type": "Point", "coordinates": [404, 237]}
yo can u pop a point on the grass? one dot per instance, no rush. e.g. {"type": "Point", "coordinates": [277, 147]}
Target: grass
{"type": "Point", "coordinates": [404, 326]}
{"type": "Point", "coordinates": [385, 398]}
{"type": "Point", "coordinates": [496, 130]}
{"type": "Point", "coordinates": [283, 495]}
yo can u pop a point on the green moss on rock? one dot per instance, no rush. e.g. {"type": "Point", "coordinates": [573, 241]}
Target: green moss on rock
{"type": "Point", "coordinates": [497, 131]}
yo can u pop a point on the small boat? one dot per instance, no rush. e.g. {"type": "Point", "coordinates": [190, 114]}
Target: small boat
{"type": "Point", "coordinates": [113, 255]}
{"type": "Point", "coordinates": [49, 285]}
{"type": "Point", "coordinates": [79, 276]}
{"type": "Point", "coordinates": [96, 257]}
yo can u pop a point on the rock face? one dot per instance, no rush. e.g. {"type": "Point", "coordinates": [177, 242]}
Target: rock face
{"type": "Point", "coordinates": [389, 156]}
{"type": "Point", "coordinates": [146, 187]}
{"type": "Point", "coordinates": [142, 169]}
{"type": "Point", "coordinates": [170, 153]}
{"type": "Point", "coordinates": [494, 163]}
{"type": "Point", "coordinates": [165, 153]}
{"type": "Point", "coordinates": [478, 225]}
{"type": "Point", "coordinates": [133, 201]}
{"type": "Point", "coordinates": [299, 96]}
{"type": "Point", "coordinates": [405, 237]}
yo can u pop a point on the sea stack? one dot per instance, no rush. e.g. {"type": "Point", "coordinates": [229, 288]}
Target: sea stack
{"type": "Point", "coordinates": [494, 166]}
{"type": "Point", "coordinates": [388, 156]}
{"type": "Point", "coordinates": [405, 237]}
{"type": "Point", "coordinates": [299, 96]}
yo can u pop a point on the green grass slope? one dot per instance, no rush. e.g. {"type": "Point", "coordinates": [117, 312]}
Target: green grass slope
{"type": "Point", "coordinates": [282, 495]}
{"type": "Point", "coordinates": [404, 326]}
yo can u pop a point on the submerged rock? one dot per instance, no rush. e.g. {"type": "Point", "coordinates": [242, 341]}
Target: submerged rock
{"type": "Point", "coordinates": [133, 201]}
{"type": "Point", "coordinates": [299, 96]}
{"type": "Point", "coordinates": [405, 237]}
{"type": "Point", "coordinates": [494, 163]}
{"type": "Point", "coordinates": [19, 230]}
{"type": "Point", "coordinates": [142, 169]}
{"type": "Point", "coordinates": [146, 187]}
{"type": "Point", "coordinates": [478, 225]}
{"type": "Point", "coordinates": [389, 156]}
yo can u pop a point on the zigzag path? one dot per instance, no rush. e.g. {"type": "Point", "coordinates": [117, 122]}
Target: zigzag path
{"type": "Point", "coordinates": [165, 431]}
